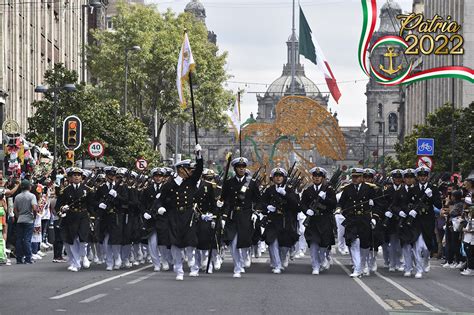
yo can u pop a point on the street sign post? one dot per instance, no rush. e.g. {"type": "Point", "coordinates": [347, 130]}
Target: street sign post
{"type": "Point", "coordinates": [425, 146]}
{"type": "Point", "coordinates": [425, 161]}
{"type": "Point", "coordinates": [141, 164]}
{"type": "Point", "coordinates": [95, 149]}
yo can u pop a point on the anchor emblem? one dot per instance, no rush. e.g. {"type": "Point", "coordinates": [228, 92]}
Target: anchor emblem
{"type": "Point", "coordinates": [390, 54]}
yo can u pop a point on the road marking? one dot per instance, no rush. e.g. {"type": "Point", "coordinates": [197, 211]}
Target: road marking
{"type": "Point", "coordinates": [259, 260]}
{"type": "Point", "coordinates": [394, 304]}
{"type": "Point", "coordinates": [408, 292]}
{"type": "Point", "coordinates": [405, 303]}
{"type": "Point", "coordinates": [453, 290]}
{"type": "Point", "coordinates": [141, 278]}
{"type": "Point", "coordinates": [93, 298]}
{"type": "Point", "coordinates": [368, 290]}
{"type": "Point", "coordinates": [57, 297]}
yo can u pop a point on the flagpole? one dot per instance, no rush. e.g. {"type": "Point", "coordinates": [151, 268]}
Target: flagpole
{"type": "Point", "coordinates": [240, 124]}
{"type": "Point", "coordinates": [192, 106]}
{"type": "Point", "coordinates": [293, 56]}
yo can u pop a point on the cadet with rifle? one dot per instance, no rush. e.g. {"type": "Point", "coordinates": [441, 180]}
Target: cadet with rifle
{"type": "Point", "coordinates": [280, 205]}
{"type": "Point", "coordinates": [318, 203]}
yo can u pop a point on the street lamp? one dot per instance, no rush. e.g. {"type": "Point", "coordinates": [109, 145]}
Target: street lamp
{"type": "Point", "coordinates": [93, 4]}
{"type": "Point", "coordinates": [125, 97]}
{"type": "Point", "coordinates": [54, 91]}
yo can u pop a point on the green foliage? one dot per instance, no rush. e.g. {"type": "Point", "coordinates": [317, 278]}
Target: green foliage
{"type": "Point", "coordinates": [152, 70]}
{"type": "Point", "coordinates": [125, 137]}
{"type": "Point", "coordinates": [438, 126]}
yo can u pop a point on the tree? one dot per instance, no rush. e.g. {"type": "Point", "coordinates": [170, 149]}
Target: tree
{"type": "Point", "coordinates": [152, 70]}
{"type": "Point", "coordinates": [438, 126]}
{"type": "Point", "coordinates": [125, 137]}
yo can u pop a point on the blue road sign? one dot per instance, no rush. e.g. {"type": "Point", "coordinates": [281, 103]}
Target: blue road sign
{"type": "Point", "coordinates": [425, 146]}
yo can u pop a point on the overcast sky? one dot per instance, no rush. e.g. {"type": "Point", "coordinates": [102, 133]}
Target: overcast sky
{"type": "Point", "coordinates": [254, 32]}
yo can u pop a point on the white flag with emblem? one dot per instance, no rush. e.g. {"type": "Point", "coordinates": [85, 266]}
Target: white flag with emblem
{"type": "Point", "coordinates": [185, 65]}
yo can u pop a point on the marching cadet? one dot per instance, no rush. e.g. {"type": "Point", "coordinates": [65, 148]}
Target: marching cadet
{"type": "Point", "coordinates": [280, 205]}
{"type": "Point", "coordinates": [176, 200]}
{"type": "Point", "coordinates": [111, 217]}
{"type": "Point", "coordinates": [355, 202]}
{"type": "Point", "coordinates": [377, 212]}
{"type": "Point", "coordinates": [207, 225]}
{"type": "Point", "coordinates": [391, 222]}
{"type": "Point", "coordinates": [406, 233]}
{"type": "Point", "coordinates": [423, 197]}
{"type": "Point", "coordinates": [240, 194]}
{"type": "Point", "coordinates": [74, 205]}
{"type": "Point", "coordinates": [156, 224]}
{"type": "Point", "coordinates": [318, 203]}
{"type": "Point", "coordinates": [127, 225]}
{"type": "Point", "coordinates": [135, 218]}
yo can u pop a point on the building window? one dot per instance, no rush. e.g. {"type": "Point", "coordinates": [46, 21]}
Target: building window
{"type": "Point", "coordinates": [392, 122]}
{"type": "Point", "coordinates": [380, 110]}
{"type": "Point", "coordinates": [380, 128]}
{"type": "Point", "coordinates": [110, 24]}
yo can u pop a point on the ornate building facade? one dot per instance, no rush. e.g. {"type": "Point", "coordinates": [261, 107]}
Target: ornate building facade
{"type": "Point", "coordinates": [383, 118]}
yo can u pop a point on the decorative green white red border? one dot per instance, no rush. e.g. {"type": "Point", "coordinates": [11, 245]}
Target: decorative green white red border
{"type": "Point", "coordinates": [369, 10]}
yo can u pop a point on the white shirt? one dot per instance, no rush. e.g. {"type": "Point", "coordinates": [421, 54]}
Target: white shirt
{"type": "Point", "coordinates": [317, 187]}
{"type": "Point", "coordinates": [178, 180]}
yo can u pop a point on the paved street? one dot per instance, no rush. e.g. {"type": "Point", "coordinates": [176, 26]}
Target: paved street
{"type": "Point", "coordinates": [45, 288]}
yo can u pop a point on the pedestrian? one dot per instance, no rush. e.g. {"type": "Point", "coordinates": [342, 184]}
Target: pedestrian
{"type": "Point", "coordinates": [318, 202]}
{"type": "Point", "coordinates": [176, 200]}
{"type": "Point", "coordinates": [241, 194]}
{"type": "Point", "coordinates": [25, 206]}
{"type": "Point", "coordinates": [355, 202]}
{"type": "Point", "coordinates": [280, 205]}
{"type": "Point", "coordinates": [423, 198]}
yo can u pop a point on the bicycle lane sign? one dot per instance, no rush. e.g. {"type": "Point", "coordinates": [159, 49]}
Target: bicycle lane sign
{"type": "Point", "coordinates": [425, 146]}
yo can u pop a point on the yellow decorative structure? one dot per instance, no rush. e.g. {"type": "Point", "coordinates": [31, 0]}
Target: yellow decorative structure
{"type": "Point", "coordinates": [301, 124]}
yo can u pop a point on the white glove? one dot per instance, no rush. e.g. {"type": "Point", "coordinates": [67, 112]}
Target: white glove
{"type": "Point", "coordinates": [146, 216]}
{"type": "Point", "coordinates": [207, 217]}
{"type": "Point", "coordinates": [65, 208]}
{"type": "Point", "coordinates": [322, 195]}
{"type": "Point", "coordinates": [63, 215]}
{"type": "Point", "coordinates": [223, 223]}
{"type": "Point", "coordinates": [198, 149]}
{"type": "Point", "coordinates": [271, 208]}
{"type": "Point", "coordinates": [412, 213]}
{"type": "Point", "coordinates": [220, 204]}
{"type": "Point", "coordinates": [281, 191]}
{"type": "Point", "coordinates": [103, 206]}
{"type": "Point", "coordinates": [161, 211]}
{"type": "Point", "coordinates": [253, 218]}
{"type": "Point", "coordinates": [113, 193]}
{"type": "Point", "coordinates": [429, 192]}
{"type": "Point", "coordinates": [371, 202]}
{"type": "Point", "coordinates": [388, 214]}
{"type": "Point", "coordinates": [301, 216]}
{"type": "Point", "coordinates": [213, 225]}
{"type": "Point", "coordinates": [402, 214]}
{"type": "Point", "coordinates": [310, 212]}
{"type": "Point", "coordinates": [373, 223]}
{"type": "Point", "coordinates": [158, 195]}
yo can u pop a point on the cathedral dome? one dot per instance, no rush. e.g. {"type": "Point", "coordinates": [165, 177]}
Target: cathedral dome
{"type": "Point", "coordinates": [303, 86]}
{"type": "Point", "coordinates": [196, 8]}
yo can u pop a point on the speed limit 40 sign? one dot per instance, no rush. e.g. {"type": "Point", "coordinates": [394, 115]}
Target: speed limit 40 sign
{"type": "Point", "coordinates": [96, 149]}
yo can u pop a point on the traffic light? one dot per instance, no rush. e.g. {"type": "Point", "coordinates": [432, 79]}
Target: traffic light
{"type": "Point", "coordinates": [72, 133]}
{"type": "Point", "coordinates": [69, 158]}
